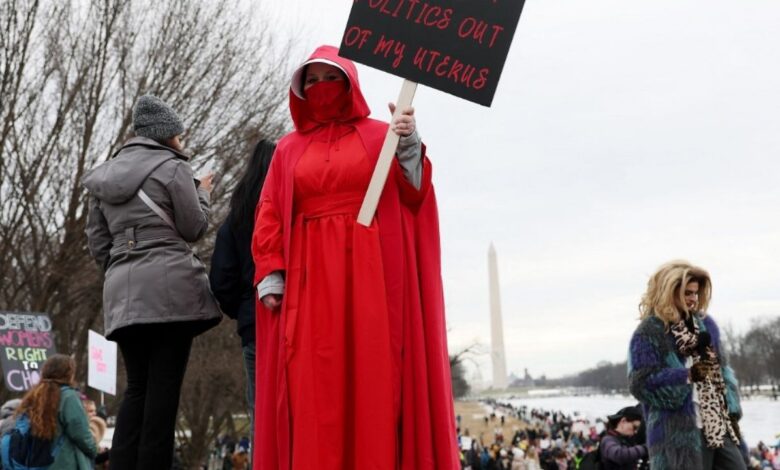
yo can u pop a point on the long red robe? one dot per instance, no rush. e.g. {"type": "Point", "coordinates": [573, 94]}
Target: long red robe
{"type": "Point", "coordinates": [353, 372]}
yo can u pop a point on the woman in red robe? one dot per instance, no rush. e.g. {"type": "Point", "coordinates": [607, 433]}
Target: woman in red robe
{"type": "Point", "coordinates": [352, 364]}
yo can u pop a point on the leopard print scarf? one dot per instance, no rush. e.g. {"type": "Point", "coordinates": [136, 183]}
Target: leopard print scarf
{"type": "Point", "coordinates": [711, 391]}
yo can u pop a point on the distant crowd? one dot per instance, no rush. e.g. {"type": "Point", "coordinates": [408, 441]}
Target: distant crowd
{"type": "Point", "coordinates": [553, 440]}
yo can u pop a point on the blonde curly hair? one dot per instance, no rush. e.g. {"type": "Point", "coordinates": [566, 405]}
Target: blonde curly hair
{"type": "Point", "coordinates": [665, 295]}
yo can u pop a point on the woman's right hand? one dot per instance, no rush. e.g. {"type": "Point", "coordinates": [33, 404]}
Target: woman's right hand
{"type": "Point", "coordinates": [272, 302]}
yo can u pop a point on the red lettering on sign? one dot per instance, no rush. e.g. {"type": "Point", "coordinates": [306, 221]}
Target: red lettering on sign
{"type": "Point", "coordinates": [355, 34]}
{"type": "Point", "coordinates": [496, 29]}
{"type": "Point", "coordinates": [96, 353]}
{"type": "Point", "coordinates": [397, 9]}
{"type": "Point", "coordinates": [412, 4]}
{"type": "Point", "coordinates": [424, 9]}
{"type": "Point", "coordinates": [441, 69]}
{"type": "Point", "coordinates": [457, 66]}
{"type": "Point", "coordinates": [384, 9]}
{"type": "Point", "coordinates": [475, 29]}
{"type": "Point", "coordinates": [465, 78]}
{"type": "Point", "coordinates": [390, 46]}
{"type": "Point", "coordinates": [444, 22]}
{"type": "Point", "coordinates": [482, 80]}
{"type": "Point", "coordinates": [446, 66]}
{"type": "Point", "coordinates": [20, 338]}
{"type": "Point", "coordinates": [436, 11]}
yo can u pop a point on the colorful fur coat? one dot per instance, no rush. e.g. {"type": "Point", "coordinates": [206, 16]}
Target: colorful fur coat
{"type": "Point", "coordinates": [658, 378]}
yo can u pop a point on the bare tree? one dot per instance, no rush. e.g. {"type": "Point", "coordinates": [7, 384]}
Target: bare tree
{"type": "Point", "coordinates": [70, 72]}
{"type": "Point", "coordinates": [460, 386]}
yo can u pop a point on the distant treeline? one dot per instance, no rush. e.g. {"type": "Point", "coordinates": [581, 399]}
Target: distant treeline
{"type": "Point", "coordinates": [754, 356]}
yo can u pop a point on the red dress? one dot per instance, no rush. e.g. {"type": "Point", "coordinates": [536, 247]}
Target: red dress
{"type": "Point", "coordinates": [353, 372]}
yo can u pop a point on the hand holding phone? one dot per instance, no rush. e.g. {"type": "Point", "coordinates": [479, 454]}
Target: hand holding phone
{"type": "Point", "coordinates": [206, 170]}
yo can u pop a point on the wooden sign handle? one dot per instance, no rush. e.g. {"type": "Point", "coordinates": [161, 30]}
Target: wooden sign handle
{"type": "Point", "coordinates": [382, 168]}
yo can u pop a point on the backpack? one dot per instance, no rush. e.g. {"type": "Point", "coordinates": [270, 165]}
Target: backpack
{"type": "Point", "coordinates": [20, 450]}
{"type": "Point", "coordinates": [591, 461]}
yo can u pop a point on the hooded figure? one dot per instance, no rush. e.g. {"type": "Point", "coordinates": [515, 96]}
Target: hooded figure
{"type": "Point", "coordinates": [156, 295]}
{"type": "Point", "coordinates": [352, 368]}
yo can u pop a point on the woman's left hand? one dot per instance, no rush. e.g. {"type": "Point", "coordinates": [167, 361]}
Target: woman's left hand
{"type": "Point", "coordinates": [405, 124]}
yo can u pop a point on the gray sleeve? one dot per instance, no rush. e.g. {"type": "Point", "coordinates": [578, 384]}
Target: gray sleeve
{"type": "Point", "coordinates": [409, 154]}
{"type": "Point", "coordinates": [190, 204]}
{"type": "Point", "coordinates": [99, 237]}
{"type": "Point", "coordinates": [271, 284]}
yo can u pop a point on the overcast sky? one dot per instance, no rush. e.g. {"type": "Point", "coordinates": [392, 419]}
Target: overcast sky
{"type": "Point", "coordinates": [622, 135]}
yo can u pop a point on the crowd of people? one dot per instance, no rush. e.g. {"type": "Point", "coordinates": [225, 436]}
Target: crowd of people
{"type": "Point", "coordinates": [764, 457]}
{"type": "Point", "coordinates": [552, 440]}
{"type": "Point", "coordinates": [229, 454]}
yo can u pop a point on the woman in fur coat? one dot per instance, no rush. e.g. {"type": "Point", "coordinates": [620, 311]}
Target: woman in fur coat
{"type": "Point", "coordinates": [678, 371]}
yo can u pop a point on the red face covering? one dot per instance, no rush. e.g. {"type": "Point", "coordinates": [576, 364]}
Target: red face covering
{"type": "Point", "coordinates": [327, 100]}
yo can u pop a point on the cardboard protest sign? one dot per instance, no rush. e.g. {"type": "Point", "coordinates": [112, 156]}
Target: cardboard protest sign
{"type": "Point", "coordinates": [456, 46]}
{"type": "Point", "coordinates": [102, 363]}
{"type": "Point", "coordinates": [26, 341]}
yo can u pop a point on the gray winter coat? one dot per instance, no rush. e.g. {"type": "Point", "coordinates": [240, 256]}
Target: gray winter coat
{"type": "Point", "coordinates": [152, 275]}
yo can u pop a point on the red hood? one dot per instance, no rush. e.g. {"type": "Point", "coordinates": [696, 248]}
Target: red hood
{"type": "Point", "coordinates": [298, 107]}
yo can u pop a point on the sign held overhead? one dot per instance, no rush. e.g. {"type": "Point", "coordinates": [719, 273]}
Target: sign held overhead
{"type": "Point", "coordinates": [456, 46]}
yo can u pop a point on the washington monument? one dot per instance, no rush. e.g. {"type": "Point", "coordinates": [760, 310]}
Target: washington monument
{"type": "Point", "coordinates": [497, 352]}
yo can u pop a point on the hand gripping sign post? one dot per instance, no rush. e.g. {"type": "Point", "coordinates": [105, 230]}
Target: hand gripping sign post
{"type": "Point", "coordinates": [456, 46]}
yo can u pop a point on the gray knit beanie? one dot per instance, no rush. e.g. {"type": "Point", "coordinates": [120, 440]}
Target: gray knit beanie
{"type": "Point", "coordinates": [154, 119]}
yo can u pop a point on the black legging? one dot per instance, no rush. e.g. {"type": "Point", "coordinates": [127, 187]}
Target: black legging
{"type": "Point", "coordinates": [155, 359]}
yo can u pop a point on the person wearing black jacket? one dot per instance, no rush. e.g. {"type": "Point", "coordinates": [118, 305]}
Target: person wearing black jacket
{"type": "Point", "coordinates": [232, 268]}
{"type": "Point", "coordinates": [618, 451]}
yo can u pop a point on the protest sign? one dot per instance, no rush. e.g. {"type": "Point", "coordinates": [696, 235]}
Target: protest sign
{"type": "Point", "coordinates": [102, 363]}
{"type": "Point", "coordinates": [456, 46]}
{"type": "Point", "coordinates": [26, 341]}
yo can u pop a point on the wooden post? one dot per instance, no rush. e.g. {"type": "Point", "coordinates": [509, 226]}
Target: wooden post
{"type": "Point", "coordinates": [382, 168]}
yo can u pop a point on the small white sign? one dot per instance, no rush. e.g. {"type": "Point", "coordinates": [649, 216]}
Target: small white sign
{"type": "Point", "coordinates": [102, 363]}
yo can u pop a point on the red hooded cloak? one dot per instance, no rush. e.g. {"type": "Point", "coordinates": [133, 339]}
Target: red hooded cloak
{"type": "Point", "coordinates": [353, 372]}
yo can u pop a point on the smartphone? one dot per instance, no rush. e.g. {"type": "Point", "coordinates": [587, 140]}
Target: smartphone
{"type": "Point", "coordinates": [205, 170]}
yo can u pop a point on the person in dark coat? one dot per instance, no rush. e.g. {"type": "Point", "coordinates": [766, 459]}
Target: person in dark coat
{"type": "Point", "coordinates": [232, 269]}
{"type": "Point", "coordinates": [617, 449]}
{"type": "Point", "coordinates": [145, 207]}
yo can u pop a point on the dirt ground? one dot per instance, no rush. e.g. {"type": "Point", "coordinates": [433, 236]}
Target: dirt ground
{"type": "Point", "coordinates": [472, 416]}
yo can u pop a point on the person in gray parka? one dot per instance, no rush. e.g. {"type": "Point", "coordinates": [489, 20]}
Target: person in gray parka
{"type": "Point", "coordinates": [145, 206]}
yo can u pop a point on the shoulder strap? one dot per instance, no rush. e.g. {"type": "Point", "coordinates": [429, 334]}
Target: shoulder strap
{"type": "Point", "coordinates": [157, 209]}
